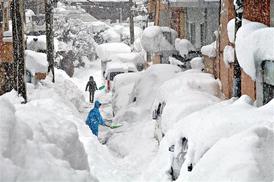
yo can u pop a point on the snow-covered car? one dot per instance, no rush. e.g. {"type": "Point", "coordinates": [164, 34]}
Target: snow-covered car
{"type": "Point", "coordinates": [182, 95]}
{"type": "Point", "coordinates": [192, 145]}
{"type": "Point", "coordinates": [122, 87]}
{"type": "Point", "coordinates": [133, 57]}
{"type": "Point", "coordinates": [115, 68]}
{"type": "Point", "coordinates": [145, 87]}
{"type": "Point", "coordinates": [107, 50]}
{"type": "Point", "coordinates": [138, 127]}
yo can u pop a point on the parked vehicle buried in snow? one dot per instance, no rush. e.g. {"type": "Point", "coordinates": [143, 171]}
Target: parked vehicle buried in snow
{"type": "Point", "coordinates": [201, 146]}
{"type": "Point", "coordinates": [122, 87]}
{"type": "Point", "coordinates": [106, 52]}
{"type": "Point", "coordinates": [114, 68]}
{"type": "Point", "coordinates": [136, 58]}
{"type": "Point", "coordinates": [185, 93]}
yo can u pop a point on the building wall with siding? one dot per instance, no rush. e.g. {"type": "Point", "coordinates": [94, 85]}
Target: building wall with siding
{"type": "Point", "coordinates": [207, 16]}
{"type": "Point", "coordinates": [258, 11]}
{"type": "Point", "coordinates": [255, 11]}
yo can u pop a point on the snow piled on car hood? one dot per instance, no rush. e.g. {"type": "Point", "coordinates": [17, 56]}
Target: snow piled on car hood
{"type": "Point", "coordinates": [209, 126]}
{"type": "Point", "coordinates": [187, 92]}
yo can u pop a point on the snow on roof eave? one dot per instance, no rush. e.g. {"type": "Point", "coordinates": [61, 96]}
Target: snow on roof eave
{"type": "Point", "coordinates": [194, 3]}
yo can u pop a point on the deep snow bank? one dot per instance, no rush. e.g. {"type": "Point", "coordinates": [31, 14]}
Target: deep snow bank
{"type": "Point", "coordinates": [40, 140]}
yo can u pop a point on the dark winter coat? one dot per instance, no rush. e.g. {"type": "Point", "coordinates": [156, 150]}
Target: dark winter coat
{"type": "Point", "coordinates": [94, 118]}
{"type": "Point", "coordinates": [91, 86]}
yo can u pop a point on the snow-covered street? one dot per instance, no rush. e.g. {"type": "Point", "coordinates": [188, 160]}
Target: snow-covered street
{"type": "Point", "coordinates": [127, 154]}
{"type": "Point", "coordinates": [131, 152]}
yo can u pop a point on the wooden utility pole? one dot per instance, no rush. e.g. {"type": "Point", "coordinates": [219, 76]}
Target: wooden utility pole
{"type": "Point", "coordinates": [131, 22]}
{"type": "Point", "coordinates": [50, 36]}
{"type": "Point", "coordinates": [19, 47]}
{"type": "Point", "coordinates": [238, 5]}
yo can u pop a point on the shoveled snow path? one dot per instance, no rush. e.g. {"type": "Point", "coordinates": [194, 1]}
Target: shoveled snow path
{"type": "Point", "coordinates": [105, 163]}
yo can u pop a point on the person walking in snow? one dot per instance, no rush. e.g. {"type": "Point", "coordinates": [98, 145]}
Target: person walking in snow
{"type": "Point", "coordinates": [94, 119]}
{"type": "Point", "coordinates": [92, 87]}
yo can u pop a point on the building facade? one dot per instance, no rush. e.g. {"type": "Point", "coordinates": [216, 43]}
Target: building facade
{"type": "Point", "coordinates": [196, 20]}
{"type": "Point", "coordinates": [259, 11]}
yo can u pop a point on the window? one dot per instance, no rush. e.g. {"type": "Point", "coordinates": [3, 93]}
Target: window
{"type": "Point", "coordinates": [113, 74]}
{"type": "Point", "coordinates": [192, 33]}
{"type": "Point", "coordinates": [203, 36]}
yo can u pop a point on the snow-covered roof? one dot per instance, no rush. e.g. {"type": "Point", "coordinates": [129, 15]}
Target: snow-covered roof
{"type": "Point", "coordinates": [72, 12]}
{"type": "Point", "coordinates": [107, 50]}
